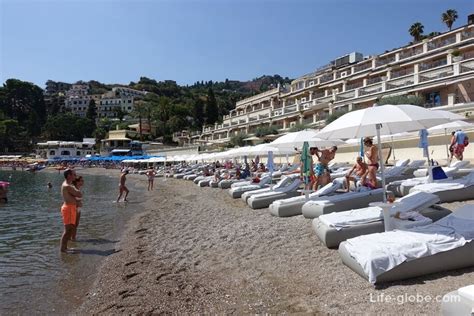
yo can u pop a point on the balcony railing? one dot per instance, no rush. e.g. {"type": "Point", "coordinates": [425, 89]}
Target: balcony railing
{"type": "Point", "coordinates": [434, 64]}
{"type": "Point", "coordinates": [308, 120]}
{"type": "Point", "coordinates": [467, 55]}
{"type": "Point", "coordinates": [362, 67]}
{"type": "Point", "coordinates": [318, 95]}
{"type": "Point", "coordinates": [399, 83]}
{"type": "Point", "coordinates": [345, 95]}
{"type": "Point", "coordinates": [326, 78]}
{"type": "Point", "coordinates": [402, 72]}
{"type": "Point", "coordinates": [384, 61]}
{"type": "Point", "coordinates": [442, 42]}
{"type": "Point", "coordinates": [263, 116]}
{"type": "Point", "coordinates": [252, 118]}
{"type": "Point", "coordinates": [323, 100]}
{"type": "Point", "coordinates": [437, 74]}
{"type": "Point", "coordinates": [467, 34]}
{"type": "Point", "coordinates": [354, 85]}
{"type": "Point", "coordinates": [374, 80]}
{"type": "Point", "coordinates": [370, 90]}
{"type": "Point", "coordinates": [290, 109]}
{"type": "Point", "coordinates": [467, 66]}
{"type": "Point", "coordinates": [410, 52]}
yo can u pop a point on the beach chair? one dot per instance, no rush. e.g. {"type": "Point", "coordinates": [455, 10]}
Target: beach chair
{"type": "Point", "coordinates": [334, 228]}
{"type": "Point", "coordinates": [461, 189]}
{"type": "Point", "coordinates": [340, 202]}
{"type": "Point", "coordinates": [401, 254]}
{"type": "Point", "coordinates": [236, 192]}
{"type": "Point", "coordinates": [286, 190]}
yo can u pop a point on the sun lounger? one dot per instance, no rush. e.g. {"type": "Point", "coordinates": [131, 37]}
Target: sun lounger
{"type": "Point", "coordinates": [293, 206]}
{"type": "Point", "coordinates": [205, 182]}
{"type": "Point", "coordinates": [456, 167]}
{"type": "Point", "coordinates": [459, 302]}
{"type": "Point", "coordinates": [450, 191]}
{"type": "Point", "coordinates": [340, 202]}
{"type": "Point", "coordinates": [264, 199]}
{"type": "Point", "coordinates": [237, 192]}
{"type": "Point", "coordinates": [334, 228]}
{"type": "Point", "coordinates": [284, 181]}
{"type": "Point", "coordinates": [401, 254]}
{"type": "Point", "coordinates": [226, 184]}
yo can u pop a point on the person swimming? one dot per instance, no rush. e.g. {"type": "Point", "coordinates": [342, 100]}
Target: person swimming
{"type": "Point", "coordinates": [49, 185]}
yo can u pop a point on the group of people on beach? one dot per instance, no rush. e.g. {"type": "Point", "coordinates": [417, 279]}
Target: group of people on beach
{"type": "Point", "coordinates": [365, 172]}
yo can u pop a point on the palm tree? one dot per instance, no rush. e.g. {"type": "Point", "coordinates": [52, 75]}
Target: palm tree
{"type": "Point", "coordinates": [449, 17]}
{"type": "Point", "coordinates": [416, 30]}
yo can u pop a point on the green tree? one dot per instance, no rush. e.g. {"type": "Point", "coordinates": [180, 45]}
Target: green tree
{"type": "Point", "coordinates": [237, 140]}
{"type": "Point", "coordinates": [211, 110]}
{"type": "Point", "coordinates": [92, 110]}
{"type": "Point", "coordinates": [402, 99]}
{"type": "Point", "coordinates": [266, 130]}
{"type": "Point", "coordinates": [198, 112]}
{"type": "Point", "coordinates": [416, 30]}
{"type": "Point", "coordinates": [67, 126]}
{"type": "Point", "coordinates": [449, 17]}
{"type": "Point", "coordinates": [119, 113]}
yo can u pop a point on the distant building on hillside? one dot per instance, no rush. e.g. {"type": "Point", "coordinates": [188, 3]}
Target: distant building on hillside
{"type": "Point", "coordinates": [65, 149]}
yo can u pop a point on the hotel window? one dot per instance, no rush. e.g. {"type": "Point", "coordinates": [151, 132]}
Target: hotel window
{"type": "Point", "coordinates": [129, 101]}
{"type": "Point", "coordinates": [78, 153]}
{"type": "Point", "coordinates": [432, 99]}
{"type": "Point", "coordinates": [52, 153]}
{"type": "Point", "coordinates": [65, 153]}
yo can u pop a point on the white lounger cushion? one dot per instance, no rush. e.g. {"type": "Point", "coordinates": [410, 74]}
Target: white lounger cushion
{"type": "Point", "coordinates": [459, 164]}
{"type": "Point", "coordinates": [463, 182]}
{"type": "Point", "coordinates": [327, 189]}
{"type": "Point", "coordinates": [415, 164]}
{"type": "Point", "coordinates": [414, 202]}
{"type": "Point", "coordinates": [379, 253]}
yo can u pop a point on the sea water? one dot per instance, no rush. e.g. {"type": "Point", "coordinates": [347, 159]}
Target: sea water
{"type": "Point", "coordinates": [35, 278]}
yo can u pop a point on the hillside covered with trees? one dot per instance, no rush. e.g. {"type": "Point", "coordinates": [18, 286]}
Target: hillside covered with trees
{"type": "Point", "coordinates": [25, 117]}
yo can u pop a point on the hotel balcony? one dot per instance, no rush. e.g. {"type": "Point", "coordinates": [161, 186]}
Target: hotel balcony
{"type": "Point", "coordinates": [467, 66]}
{"type": "Point", "coordinates": [326, 78]}
{"type": "Point", "coordinates": [376, 88]}
{"type": "Point", "coordinates": [467, 34]}
{"type": "Point", "coordinates": [401, 73]}
{"type": "Point", "coordinates": [290, 109]}
{"type": "Point", "coordinates": [384, 61]}
{"type": "Point", "coordinates": [433, 64]}
{"type": "Point", "coordinates": [363, 66]}
{"type": "Point", "coordinates": [410, 52]}
{"type": "Point", "coordinates": [346, 95]}
{"type": "Point", "coordinates": [436, 74]}
{"type": "Point", "coordinates": [354, 86]}
{"type": "Point", "coordinates": [399, 83]}
{"type": "Point", "coordinates": [445, 41]}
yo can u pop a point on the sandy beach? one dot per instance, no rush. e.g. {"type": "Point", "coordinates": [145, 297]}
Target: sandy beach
{"type": "Point", "coordinates": [197, 250]}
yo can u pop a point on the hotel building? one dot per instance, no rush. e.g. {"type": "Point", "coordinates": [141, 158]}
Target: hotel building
{"type": "Point", "coordinates": [440, 70]}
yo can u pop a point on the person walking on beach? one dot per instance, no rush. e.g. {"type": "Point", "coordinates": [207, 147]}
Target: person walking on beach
{"type": "Point", "coordinates": [122, 187]}
{"type": "Point", "coordinates": [78, 183]}
{"type": "Point", "coordinates": [69, 208]}
{"type": "Point", "coordinates": [458, 142]}
{"type": "Point", "coordinates": [321, 171]}
{"type": "Point", "coordinates": [372, 155]}
{"type": "Point", "coordinates": [151, 178]}
{"type": "Point", "coordinates": [360, 168]}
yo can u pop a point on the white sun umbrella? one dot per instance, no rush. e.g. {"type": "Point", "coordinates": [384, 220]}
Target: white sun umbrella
{"type": "Point", "coordinates": [452, 126]}
{"type": "Point", "coordinates": [296, 139]}
{"type": "Point", "coordinates": [382, 120]}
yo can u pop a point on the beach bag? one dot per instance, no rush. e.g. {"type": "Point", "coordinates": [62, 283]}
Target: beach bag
{"type": "Point", "coordinates": [466, 141]}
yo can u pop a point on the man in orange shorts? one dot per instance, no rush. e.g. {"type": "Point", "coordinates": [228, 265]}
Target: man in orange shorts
{"type": "Point", "coordinates": [69, 208]}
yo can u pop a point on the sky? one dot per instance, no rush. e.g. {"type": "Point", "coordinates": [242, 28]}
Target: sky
{"type": "Point", "coordinates": [118, 41]}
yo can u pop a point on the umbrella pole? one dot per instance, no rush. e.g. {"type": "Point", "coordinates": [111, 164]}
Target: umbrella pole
{"type": "Point", "coordinates": [447, 150]}
{"type": "Point", "coordinates": [382, 169]}
{"type": "Point", "coordinates": [393, 149]}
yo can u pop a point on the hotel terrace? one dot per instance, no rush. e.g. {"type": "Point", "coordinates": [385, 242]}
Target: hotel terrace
{"type": "Point", "coordinates": [439, 69]}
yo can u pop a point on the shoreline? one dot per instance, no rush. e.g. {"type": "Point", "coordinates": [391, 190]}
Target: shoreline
{"type": "Point", "coordinates": [197, 250]}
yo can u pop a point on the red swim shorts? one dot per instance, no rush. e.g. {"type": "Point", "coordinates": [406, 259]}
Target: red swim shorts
{"type": "Point", "coordinates": [458, 149]}
{"type": "Point", "coordinates": [69, 213]}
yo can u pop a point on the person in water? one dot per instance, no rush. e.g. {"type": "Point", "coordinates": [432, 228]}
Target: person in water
{"type": "Point", "coordinates": [3, 192]}
{"type": "Point", "coordinates": [49, 185]}
{"type": "Point", "coordinates": [70, 195]}
{"type": "Point", "coordinates": [122, 187]}
{"type": "Point", "coordinates": [78, 184]}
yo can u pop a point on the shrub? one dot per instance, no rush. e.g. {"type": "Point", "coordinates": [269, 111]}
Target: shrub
{"type": "Point", "coordinates": [402, 99]}
{"type": "Point", "coordinates": [266, 130]}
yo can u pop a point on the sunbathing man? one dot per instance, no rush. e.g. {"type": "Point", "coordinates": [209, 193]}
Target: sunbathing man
{"type": "Point", "coordinates": [69, 208]}
{"type": "Point", "coordinates": [321, 171]}
{"type": "Point", "coordinates": [372, 155]}
{"type": "Point", "coordinates": [360, 168]}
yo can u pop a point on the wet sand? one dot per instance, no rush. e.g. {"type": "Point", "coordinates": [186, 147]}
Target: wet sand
{"type": "Point", "coordinates": [197, 250]}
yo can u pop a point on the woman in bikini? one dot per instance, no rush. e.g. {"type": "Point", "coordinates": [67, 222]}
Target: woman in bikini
{"type": "Point", "coordinates": [373, 164]}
